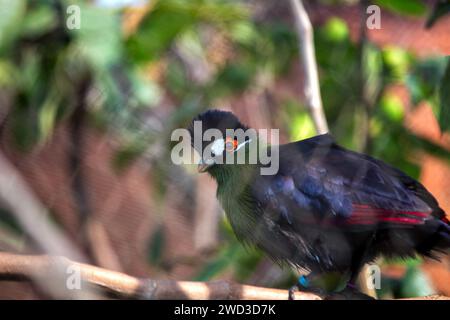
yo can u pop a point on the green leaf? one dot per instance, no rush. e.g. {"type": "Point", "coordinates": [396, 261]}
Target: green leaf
{"type": "Point", "coordinates": [155, 33]}
{"type": "Point", "coordinates": [373, 67]}
{"type": "Point", "coordinates": [234, 77]}
{"type": "Point", "coordinates": [244, 33]}
{"type": "Point", "coordinates": [302, 127]}
{"type": "Point", "coordinates": [9, 74]}
{"type": "Point", "coordinates": [405, 7]}
{"type": "Point", "coordinates": [147, 92]}
{"type": "Point", "coordinates": [424, 79]}
{"type": "Point", "coordinates": [39, 21]}
{"type": "Point", "coordinates": [444, 100]}
{"type": "Point", "coordinates": [11, 15]}
{"type": "Point", "coordinates": [48, 113]}
{"type": "Point", "coordinates": [99, 37]}
{"type": "Point", "coordinates": [170, 18]}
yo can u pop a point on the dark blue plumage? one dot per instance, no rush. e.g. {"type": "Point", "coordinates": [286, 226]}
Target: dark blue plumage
{"type": "Point", "coordinates": [328, 209]}
{"type": "Point", "coordinates": [335, 181]}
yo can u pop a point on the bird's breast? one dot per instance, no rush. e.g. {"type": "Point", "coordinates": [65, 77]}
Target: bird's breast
{"type": "Point", "coordinates": [240, 210]}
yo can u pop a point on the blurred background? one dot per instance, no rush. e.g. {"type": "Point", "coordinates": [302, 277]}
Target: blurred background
{"type": "Point", "coordinates": [86, 116]}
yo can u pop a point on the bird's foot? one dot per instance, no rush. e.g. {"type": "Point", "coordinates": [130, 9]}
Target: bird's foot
{"type": "Point", "coordinates": [350, 292]}
{"type": "Point", "coordinates": [291, 292]}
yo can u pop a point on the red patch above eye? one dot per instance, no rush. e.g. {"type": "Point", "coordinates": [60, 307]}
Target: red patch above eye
{"type": "Point", "coordinates": [230, 144]}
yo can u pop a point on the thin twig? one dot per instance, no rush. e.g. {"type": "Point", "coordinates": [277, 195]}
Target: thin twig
{"type": "Point", "coordinates": [308, 61]}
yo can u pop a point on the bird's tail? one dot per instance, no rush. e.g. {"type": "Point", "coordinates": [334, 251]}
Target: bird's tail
{"type": "Point", "coordinates": [438, 242]}
{"type": "Point", "coordinates": [444, 236]}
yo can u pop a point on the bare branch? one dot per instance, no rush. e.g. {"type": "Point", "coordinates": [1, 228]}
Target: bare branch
{"type": "Point", "coordinates": [25, 267]}
{"type": "Point", "coordinates": [308, 61]}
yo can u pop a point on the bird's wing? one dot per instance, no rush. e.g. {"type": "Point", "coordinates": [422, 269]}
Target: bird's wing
{"type": "Point", "coordinates": [321, 182]}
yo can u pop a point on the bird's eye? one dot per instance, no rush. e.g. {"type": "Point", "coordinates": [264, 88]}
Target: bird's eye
{"type": "Point", "coordinates": [231, 144]}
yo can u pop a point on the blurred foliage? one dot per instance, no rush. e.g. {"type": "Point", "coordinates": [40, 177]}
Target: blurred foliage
{"type": "Point", "coordinates": [182, 16]}
{"type": "Point", "coordinates": [410, 7]}
{"type": "Point", "coordinates": [415, 284]}
{"type": "Point", "coordinates": [43, 64]}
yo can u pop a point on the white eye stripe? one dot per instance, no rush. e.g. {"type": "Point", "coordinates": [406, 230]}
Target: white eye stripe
{"type": "Point", "coordinates": [218, 146]}
{"type": "Point", "coordinates": [243, 144]}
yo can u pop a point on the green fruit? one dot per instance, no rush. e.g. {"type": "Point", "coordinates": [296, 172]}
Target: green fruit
{"type": "Point", "coordinates": [336, 30]}
{"type": "Point", "coordinates": [392, 107]}
{"type": "Point", "coordinates": [396, 61]}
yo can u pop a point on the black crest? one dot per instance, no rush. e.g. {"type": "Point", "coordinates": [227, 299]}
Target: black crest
{"type": "Point", "coordinates": [216, 119]}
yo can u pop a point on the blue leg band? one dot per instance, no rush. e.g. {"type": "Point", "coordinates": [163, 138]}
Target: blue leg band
{"type": "Point", "coordinates": [303, 281]}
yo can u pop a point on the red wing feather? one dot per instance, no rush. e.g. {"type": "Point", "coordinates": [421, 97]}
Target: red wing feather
{"type": "Point", "coordinates": [365, 214]}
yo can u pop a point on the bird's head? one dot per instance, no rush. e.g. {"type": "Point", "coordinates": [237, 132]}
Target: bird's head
{"type": "Point", "coordinates": [212, 136]}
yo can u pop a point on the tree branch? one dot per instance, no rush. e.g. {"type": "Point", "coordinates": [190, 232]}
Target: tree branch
{"type": "Point", "coordinates": [308, 61]}
{"type": "Point", "coordinates": [26, 267]}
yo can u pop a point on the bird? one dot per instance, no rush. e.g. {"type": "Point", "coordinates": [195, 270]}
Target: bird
{"type": "Point", "coordinates": [326, 211]}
